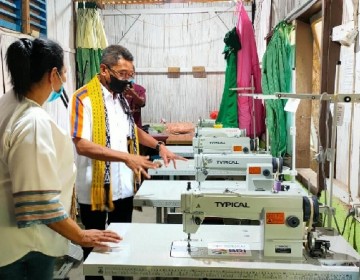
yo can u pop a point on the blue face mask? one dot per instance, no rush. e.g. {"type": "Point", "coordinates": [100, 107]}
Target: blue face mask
{"type": "Point", "coordinates": [56, 94]}
{"type": "Point", "coordinates": [132, 80]}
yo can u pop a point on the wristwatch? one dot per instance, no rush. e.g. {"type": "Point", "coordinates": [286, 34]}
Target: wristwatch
{"type": "Point", "coordinates": [157, 147]}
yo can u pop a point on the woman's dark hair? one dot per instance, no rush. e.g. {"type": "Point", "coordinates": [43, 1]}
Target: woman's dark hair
{"type": "Point", "coordinates": [29, 60]}
{"type": "Point", "coordinates": [112, 54]}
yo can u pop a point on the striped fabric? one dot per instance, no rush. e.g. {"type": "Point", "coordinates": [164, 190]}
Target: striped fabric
{"type": "Point", "coordinates": [78, 112]}
{"type": "Point", "coordinates": [38, 207]}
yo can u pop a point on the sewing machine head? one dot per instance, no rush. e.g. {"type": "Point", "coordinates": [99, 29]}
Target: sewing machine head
{"type": "Point", "coordinates": [258, 168]}
{"type": "Point", "coordinates": [219, 132]}
{"type": "Point", "coordinates": [205, 122]}
{"type": "Point", "coordinates": [281, 216]}
{"type": "Point", "coordinates": [222, 144]}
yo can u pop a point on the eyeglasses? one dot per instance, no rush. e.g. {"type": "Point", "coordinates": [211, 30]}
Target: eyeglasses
{"type": "Point", "coordinates": [122, 74]}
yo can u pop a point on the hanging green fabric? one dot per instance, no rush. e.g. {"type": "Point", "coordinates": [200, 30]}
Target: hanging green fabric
{"type": "Point", "coordinates": [228, 108]}
{"type": "Point", "coordinates": [88, 63]}
{"type": "Point", "coordinates": [276, 77]}
{"type": "Point", "coordinates": [90, 41]}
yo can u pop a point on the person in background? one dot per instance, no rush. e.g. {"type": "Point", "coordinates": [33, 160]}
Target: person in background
{"type": "Point", "coordinates": [136, 97]}
{"type": "Point", "coordinates": [102, 127]}
{"type": "Point", "coordinates": [37, 171]}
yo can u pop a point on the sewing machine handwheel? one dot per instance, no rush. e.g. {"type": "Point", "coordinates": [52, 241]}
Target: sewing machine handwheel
{"type": "Point", "coordinates": [277, 164]}
{"type": "Point", "coordinates": [253, 144]}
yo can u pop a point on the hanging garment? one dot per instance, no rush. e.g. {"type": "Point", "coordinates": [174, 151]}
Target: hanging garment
{"type": "Point", "coordinates": [227, 115]}
{"type": "Point", "coordinates": [276, 77]}
{"type": "Point", "coordinates": [251, 113]}
{"type": "Point", "coordinates": [90, 41]}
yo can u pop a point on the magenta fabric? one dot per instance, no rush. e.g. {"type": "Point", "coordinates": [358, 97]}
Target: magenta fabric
{"type": "Point", "coordinates": [247, 66]}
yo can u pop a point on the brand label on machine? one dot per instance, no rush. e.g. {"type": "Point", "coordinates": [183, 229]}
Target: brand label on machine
{"type": "Point", "coordinates": [217, 142]}
{"type": "Point", "coordinates": [227, 162]}
{"type": "Point", "coordinates": [231, 204]}
{"type": "Point", "coordinates": [228, 249]}
{"type": "Point", "coordinates": [283, 249]}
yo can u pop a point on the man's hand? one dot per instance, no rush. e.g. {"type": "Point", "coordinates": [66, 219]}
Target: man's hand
{"type": "Point", "coordinates": [169, 156]}
{"type": "Point", "coordinates": [139, 164]}
{"type": "Point", "coordinates": [131, 93]}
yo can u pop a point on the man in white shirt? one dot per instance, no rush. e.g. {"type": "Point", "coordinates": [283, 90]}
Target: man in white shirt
{"type": "Point", "coordinates": [103, 131]}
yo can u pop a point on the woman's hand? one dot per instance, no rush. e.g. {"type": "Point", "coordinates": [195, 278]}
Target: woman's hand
{"type": "Point", "coordinates": [97, 238]}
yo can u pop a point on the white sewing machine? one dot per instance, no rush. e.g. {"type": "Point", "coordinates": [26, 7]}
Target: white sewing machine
{"type": "Point", "coordinates": [209, 145]}
{"type": "Point", "coordinates": [281, 217]}
{"type": "Point", "coordinates": [258, 168]}
{"type": "Point", "coordinates": [205, 122]}
{"type": "Point", "coordinates": [221, 140]}
{"type": "Point", "coordinates": [219, 132]}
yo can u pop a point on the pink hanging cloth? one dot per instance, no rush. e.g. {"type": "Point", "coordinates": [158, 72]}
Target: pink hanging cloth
{"type": "Point", "coordinates": [248, 66]}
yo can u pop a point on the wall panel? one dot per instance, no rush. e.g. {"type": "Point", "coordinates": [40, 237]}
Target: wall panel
{"type": "Point", "coordinates": [174, 35]}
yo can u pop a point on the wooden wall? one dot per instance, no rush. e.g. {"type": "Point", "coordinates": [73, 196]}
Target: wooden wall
{"type": "Point", "coordinates": [174, 35]}
{"type": "Point", "coordinates": [6, 38]}
{"type": "Point", "coordinates": [303, 81]}
{"type": "Point", "coordinates": [60, 26]}
{"type": "Point", "coordinates": [60, 22]}
{"type": "Point", "coordinates": [281, 9]}
{"type": "Point", "coordinates": [348, 134]}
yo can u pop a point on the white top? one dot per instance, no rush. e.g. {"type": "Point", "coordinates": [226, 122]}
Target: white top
{"type": "Point", "coordinates": [37, 175]}
{"type": "Point", "coordinates": [81, 118]}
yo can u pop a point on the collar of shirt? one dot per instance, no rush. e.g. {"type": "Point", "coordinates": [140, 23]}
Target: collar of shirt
{"type": "Point", "coordinates": [107, 93]}
{"type": "Point", "coordinates": [33, 102]}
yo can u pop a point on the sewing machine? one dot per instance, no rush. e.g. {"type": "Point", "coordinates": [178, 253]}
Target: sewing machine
{"type": "Point", "coordinates": [221, 140]}
{"type": "Point", "coordinates": [258, 168]}
{"type": "Point", "coordinates": [221, 144]}
{"type": "Point", "coordinates": [219, 132]}
{"type": "Point", "coordinates": [281, 216]}
{"type": "Point", "coordinates": [205, 122]}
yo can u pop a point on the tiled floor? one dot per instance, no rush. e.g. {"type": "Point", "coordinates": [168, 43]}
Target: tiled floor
{"type": "Point", "coordinates": [146, 216]}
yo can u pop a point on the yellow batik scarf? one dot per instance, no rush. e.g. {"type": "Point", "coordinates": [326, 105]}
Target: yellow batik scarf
{"type": "Point", "coordinates": [137, 176]}
{"type": "Point", "coordinates": [101, 199]}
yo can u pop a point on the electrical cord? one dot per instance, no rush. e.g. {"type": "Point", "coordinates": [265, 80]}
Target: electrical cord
{"type": "Point", "coordinates": [354, 221]}
{"type": "Point", "coordinates": [335, 220]}
{"type": "Point", "coordinates": [351, 213]}
{"type": "Point", "coordinates": [336, 223]}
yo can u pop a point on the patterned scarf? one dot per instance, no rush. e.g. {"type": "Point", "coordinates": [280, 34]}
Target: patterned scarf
{"type": "Point", "coordinates": [125, 105]}
{"type": "Point", "coordinates": [101, 192]}
{"type": "Point", "coordinates": [133, 142]}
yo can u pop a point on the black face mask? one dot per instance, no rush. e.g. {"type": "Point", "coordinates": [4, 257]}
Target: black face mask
{"type": "Point", "coordinates": [116, 85]}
